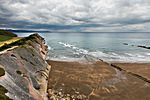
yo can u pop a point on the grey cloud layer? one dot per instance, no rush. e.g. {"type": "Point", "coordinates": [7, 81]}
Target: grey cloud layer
{"type": "Point", "coordinates": [128, 14]}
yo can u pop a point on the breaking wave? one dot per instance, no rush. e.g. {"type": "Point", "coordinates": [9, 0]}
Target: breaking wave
{"type": "Point", "coordinates": [76, 49]}
{"type": "Point", "coordinates": [106, 56]}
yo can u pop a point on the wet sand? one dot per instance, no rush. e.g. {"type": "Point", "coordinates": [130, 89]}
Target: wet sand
{"type": "Point", "coordinates": [97, 81]}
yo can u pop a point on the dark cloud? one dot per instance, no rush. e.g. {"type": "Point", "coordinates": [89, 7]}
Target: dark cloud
{"type": "Point", "coordinates": [81, 15]}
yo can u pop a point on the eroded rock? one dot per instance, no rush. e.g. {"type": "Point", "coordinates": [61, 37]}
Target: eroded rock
{"type": "Point", "coordinates": [24, 68]}
{"type": "Point", "coordinates": [97, 81]}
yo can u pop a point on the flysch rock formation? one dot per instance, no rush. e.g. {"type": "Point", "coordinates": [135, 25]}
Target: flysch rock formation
{"type": "Point", "coordinates": [24, 70]}
{"type": "Point", "coordinates": [97, 81]}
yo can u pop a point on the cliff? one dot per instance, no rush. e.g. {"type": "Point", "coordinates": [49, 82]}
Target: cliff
{"type": "Point", "coordinates": [24, 70]}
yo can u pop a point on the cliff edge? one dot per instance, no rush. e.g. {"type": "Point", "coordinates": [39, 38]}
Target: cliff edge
{"type": "Point", "coordinates": [24, 70]}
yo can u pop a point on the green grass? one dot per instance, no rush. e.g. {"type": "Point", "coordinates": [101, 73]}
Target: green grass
{"type": "Point", "coordinates": [7, 37]}
{"type": "Point", "coordinates": [9, 41]}
{"type": "Point", "coordinates": [19, 42]}
{"type": "Point", "coordinates": [4, 38]}
{"type": "Point", "coordinates": [7, 33]}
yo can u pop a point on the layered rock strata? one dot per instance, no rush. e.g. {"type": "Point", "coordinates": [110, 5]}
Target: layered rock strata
{"type": "Point", "coordinates": [24, 69]}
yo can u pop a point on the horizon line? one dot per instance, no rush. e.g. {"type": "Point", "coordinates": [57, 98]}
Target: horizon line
{"type": "Point", "coordinates": [51, 31]}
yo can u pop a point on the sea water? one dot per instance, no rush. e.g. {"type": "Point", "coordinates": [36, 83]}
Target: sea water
{"type": "Point", "coordinates": [106, 46]}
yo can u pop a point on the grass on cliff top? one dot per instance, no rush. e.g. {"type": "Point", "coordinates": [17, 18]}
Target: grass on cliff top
{"type": "Point", "coordinates": [4, 38]}
{"type": "Point", "coordinates": [20, 41]}
{"type": "Point", "coordinates": [7, 37]}
{"type": "Point", "coordinates": [7, 33]}
{"type": "Point", "coordinates": [9, 41]}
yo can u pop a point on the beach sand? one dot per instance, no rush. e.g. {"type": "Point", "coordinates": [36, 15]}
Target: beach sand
{"type": "Point", "coordinates": [98, 81]}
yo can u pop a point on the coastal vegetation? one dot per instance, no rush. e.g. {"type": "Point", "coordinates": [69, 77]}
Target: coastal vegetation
{"type": "Point", "coordinates": [16, 42]}
{"type": "Point", "coordinates": [8, 40]}
{"type": "Point", "coordinates": [7, 33]}
{"type": "Point", "coordinates": [4, 38]}
{"type": "Point", "coordinates": [7, 37]}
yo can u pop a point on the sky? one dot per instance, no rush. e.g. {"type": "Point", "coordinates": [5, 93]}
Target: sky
{"type": "Point", "coordinates": [76, 15]}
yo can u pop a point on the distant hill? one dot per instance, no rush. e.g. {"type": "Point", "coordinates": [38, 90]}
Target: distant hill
{"type": "Point", "coordinates": [7, 33]}
{"type": "Point", "coordinates": [28, 31]}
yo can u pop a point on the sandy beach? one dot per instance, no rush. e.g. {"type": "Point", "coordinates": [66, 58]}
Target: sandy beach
{"type": "Point", "coordinates": [99, 81]}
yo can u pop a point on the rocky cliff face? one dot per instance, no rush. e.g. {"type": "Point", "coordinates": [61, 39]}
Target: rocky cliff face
{"type": "Point", "coordinates": [24, 70]}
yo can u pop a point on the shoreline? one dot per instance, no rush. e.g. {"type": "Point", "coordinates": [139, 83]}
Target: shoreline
{"type": "Point", "coordinates": [84, 60]}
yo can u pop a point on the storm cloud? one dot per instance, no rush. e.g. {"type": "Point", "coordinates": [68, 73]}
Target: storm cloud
{"type": "Point", "coordinates": [82, 15]}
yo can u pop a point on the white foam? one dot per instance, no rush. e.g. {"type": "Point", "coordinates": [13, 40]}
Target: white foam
{"type": "Point", "coordinates": [68, 59]}
{"type": "Point", "coordinates": [114, 54]}
{"type": "Point", "coordinates": [148, 54]}
{"type": "Point", "coordinates": [140, 56]}
{"type": "Point", "coordinates": [76, 49]}
{"type": "Point", "coordinates": [109, 56]}
{"type": "Point", "coordinates": [66, 44]}
{"type": "Point", "coordinates": [50, 48]}
{"type": "Point", "coordinates": [129, 54]}
{"type": "Point", "coordinates": [124, 57]}
{"type": "Point", "coordinates": [98, 54]}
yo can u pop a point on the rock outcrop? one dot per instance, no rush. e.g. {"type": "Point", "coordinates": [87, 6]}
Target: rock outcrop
{"type": "Point", "coordinates": [96, 81]}
{"type": "Point", "coordinates": [24, 70]}
{"type": "Point", "coordinates": [141, 46]}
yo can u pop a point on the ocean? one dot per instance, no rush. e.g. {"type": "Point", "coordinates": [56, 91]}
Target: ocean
{"type": "Point", "coordinates": [109, 47]}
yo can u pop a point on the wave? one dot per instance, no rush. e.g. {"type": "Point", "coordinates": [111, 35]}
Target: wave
{"type": "Point", "coordinates": [148, 54]}
{"type": "Point", "coordinates": [65, 44]}
{"type": "Point", "coordinates": [50, 48]}
{"type": "Point", "coordinates": [106, 56]}
{"type": "Point", "coordinates": [76, 49]}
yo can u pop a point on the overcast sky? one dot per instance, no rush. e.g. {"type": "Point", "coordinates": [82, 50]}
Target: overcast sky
{"type": "Point", "coordinates": [76, 15]}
